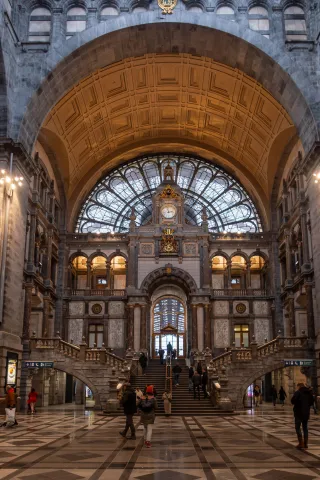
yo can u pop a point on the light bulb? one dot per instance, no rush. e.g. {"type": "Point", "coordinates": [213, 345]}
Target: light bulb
{"type": "Point", "coordinates": [318, 175]}
{"type": "Point", "coordinates": [312, 174]}
{"type": "Point", "coordinates": [20, 184]}
{"type": "Point", "coordinates": [98, 233]}
{"type": "Point", "coordinates": [13, 186]}
{"type": "Point", "coordinates": [16, 179]}
{"type": "Point", "coordinates": [1, 181]}
{"type": "Point", "coordinates": [3, 172]}
{"type": "Point", "coordinates": [225, 233]}
{"type": "Point", "coordinates": [316, 181]}
{"type": "Point", "coordinates": [21, 179]}
{"type": "Point", "coordinates": [239, 233]}
{"type": "Point", "coordinates": [8, 179]}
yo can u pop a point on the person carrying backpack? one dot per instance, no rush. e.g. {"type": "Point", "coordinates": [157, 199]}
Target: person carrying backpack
{"type": "Point", "coordinates": [147, 408]}
{"type": "Point", "coordinates": [128, 402]}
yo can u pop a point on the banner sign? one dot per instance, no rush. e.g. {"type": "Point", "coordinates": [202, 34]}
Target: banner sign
{"type": "Point", "coordinates": [308, 362]}
{"type": "Point", "coordinates": [30, 364]}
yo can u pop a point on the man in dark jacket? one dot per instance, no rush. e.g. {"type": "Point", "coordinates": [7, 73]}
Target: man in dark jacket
{"type": "Point", "coordinates": [176, 370]}
{"type": "Point", "coordinates": [302, 400]}
{"type": "Point", "coordinates": [196, 380]}
{"type": "Point", "coordinates": [129, 403]}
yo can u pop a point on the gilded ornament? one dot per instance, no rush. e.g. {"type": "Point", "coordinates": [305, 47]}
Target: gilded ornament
{"type": "Point", "coordinates": [167, 6]}
{"type": "Point", "coordinates": [169, 192]}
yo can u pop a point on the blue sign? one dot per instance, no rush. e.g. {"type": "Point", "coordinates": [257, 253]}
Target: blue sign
{"type": "Point", "coordinates": [30, 364]}
{"type": "Point", "coordinates": [309, 362]}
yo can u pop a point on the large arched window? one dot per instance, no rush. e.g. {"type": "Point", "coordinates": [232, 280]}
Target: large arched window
{"type": "Point", "coordinates": [259, 20]}
{"type": "Point", "coordinates": [226, 13]}
{"type": "Point", "coordinates": [295, 23]}
{"type": "Point", "coordinates": [76, 21]}
{"type": "Point", "coordinates": [169, 326]}
{"type": "Point", "coordinates": [107, 12]}
{"type": "Point", "coordinates": [228, 205]}
{"type": "Point", "coordinates": [40, 25]}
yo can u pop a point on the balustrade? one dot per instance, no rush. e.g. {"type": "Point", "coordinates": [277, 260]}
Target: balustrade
{"type": "Point", "coordinates": [95, 292]}
{"type": "Point", "coordinates": [240, 292]}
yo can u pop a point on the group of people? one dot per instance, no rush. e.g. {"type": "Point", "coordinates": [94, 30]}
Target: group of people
{"type": "Point", "coordinates": [171, 352]}
{"type": "Point", "coordinates": [198, 379]}
{"type": "Point", "coordinates": [145, 404]}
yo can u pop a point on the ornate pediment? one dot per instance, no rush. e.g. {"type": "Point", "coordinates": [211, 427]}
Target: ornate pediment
{"type": "Point", "coordinates": [169, 193]}
{"type": "Point", "coordinates": [169, 329]}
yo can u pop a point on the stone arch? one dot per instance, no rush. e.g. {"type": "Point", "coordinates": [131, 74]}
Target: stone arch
{"type": "Point", "coordinates": [241, 48]}
{"type": "Point", "coordinates": [83, 378]}
{"type": "Point", "coordinates": [258, 253]}
{"type": "Point", "coordinates": [77, 254]}
{"type": "Point", "coordinates": [97, 254]}
{"type": "Point", "coordinates": [166, 275]}
{"type": "Point", "coordinates": [118, 254]}
{"type": "Point", "coordinates": [240, 253]}
{"type": "Point", "coordinates": [218, 253]}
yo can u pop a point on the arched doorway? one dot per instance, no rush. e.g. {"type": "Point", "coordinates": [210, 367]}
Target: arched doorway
{"type": "Point", "coordinates": [169, 325]}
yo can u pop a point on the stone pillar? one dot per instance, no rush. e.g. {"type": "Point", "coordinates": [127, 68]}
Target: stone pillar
{"type": "Point", "coordinates": [206, 268]}
{"type": "Point", "coordinates": [137, 327]}
{"type": "Point", "coordinates": [143, 328]}
{"type": "Point", "coordinates": [25, 380]}
{"type": "Point", "coordinates": [310, 312]}
{"type": "Point", "coordinates": [79, 398]}
{"type": "Point", "coordinates": [131, 277]}
{"type": "Point", "coordinates": [33, 226]}
{"type": "Point", "coordinates": [49, 257]}
{"type": "Point", "coordinates": [305, 242]}
{"type": "Point", "coordinates": [229, 264]}
{"type": "Point", "coordinates": [277, 32]}
{"type": "Point", "coordinates": [45, 320]}
{"type": "Point", "coordinates": [292, 320]}
{"type": "Point", "coordinates": [200, 323]}
{"type": "Point", "coordinates": [88, 274]}
{"type": "Point", "coordinates": [108, 267]}
{"type": "Point", "coordinates": [288, 258]}
{"type": "Point", "coordinates": [194, 328]}
{"type": "Point", "coordinates": [92, 18]}
{"type": "Point", "coordinates": [207, 326]}
{"type": "Point", "coordinates": [248, 275]}
{"type": "Point", "coordinates": [130, 324]}
{"type": "Point", "coordinates": [58, 23]}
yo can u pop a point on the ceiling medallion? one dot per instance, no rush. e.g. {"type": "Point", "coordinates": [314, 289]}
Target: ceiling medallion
{"type": "Point", "coordinates": [241, 308]}
{"type": "Point", "coordinates": [169, 192]}
{"type": "Point", "coordinates": [167, 5]}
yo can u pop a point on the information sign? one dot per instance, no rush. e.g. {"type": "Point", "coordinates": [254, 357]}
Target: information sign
{"type": "Point", "coordinates": [308, 362]}
{"type": "Point", "coordinates": [33, 364]}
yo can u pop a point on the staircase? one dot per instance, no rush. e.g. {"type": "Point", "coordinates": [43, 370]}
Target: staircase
{"type": "Point", "coordinates": [183, 402]}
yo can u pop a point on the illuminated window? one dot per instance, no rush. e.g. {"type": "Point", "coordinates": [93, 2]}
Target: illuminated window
{"type": "Point", "coordinates": [95, 335]}
{"type": "Point", "coordinates": [168, 311]}
{"type": "Point", "coordinates": [108, 207]}
{"type": "Point", "coordinates": [40, 25]}
{"type": "Point", "coordinates": [295, 23]}
{"type": "Point", "coordinates": [241, 335]}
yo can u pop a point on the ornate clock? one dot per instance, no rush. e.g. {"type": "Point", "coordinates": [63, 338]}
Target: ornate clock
{"type": "Point", "coordinates": [168, 211]}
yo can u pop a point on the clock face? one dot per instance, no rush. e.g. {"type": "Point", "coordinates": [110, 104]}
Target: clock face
{"type": "Point", "coordinates": [168, 211]}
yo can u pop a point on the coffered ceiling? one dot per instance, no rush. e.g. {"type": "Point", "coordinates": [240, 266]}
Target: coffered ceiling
{"type": "Point", "coordinates": [157, 97]}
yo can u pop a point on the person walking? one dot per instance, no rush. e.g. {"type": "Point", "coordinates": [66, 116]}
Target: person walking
{"type": "Point", "coordinates": [161, 355]}
{"type": "Point", "coordinates": [282, 395]}
{"type": "Point", "coordinates": [143, 362]}
{"type": "Point", "coordinates": [274, 395]}
{"type": "Point", "coordinates": [176, 371]}
{"type": "Point", "coordinates": [167, 400]}
{"type": "Point", "coordinates": [302, 400]}
{"type": "Point", "coordinates": [196, 380]}
{"type": "Point", "coordinates": [169, 349]}
{"type": "Point", "coordinates": [204, 383]}
{"type": "Point", "coordinates": [256, 394]}
{"type": "Point", "coordinates": [32, 400]}
{"type": "Point", "coordinates": [199, 368]}
{"type": "Point", "coordinates": [129, 404]}
{"type": "Point", "coordinates": [191, 373]}
{"type": "Point", "coordinates": [139, 395]}
{"type": "Point", "coordinates": [314, 405]}
{"type": "Point", "coordinates": [174, 354]}
{"type": "Point", "coordinates": [10, 400]}
{"type": "Point", "coordinates": [152, 388]}
{"type": "Point", "coordinates": [147, 408]}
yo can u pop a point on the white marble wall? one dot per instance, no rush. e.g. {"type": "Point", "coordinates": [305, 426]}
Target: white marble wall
{"type": "Point", "coordinates": [262, 329]}
{"type": "Point", "coordinates": [221, 332]}
{"type": "Point", "coordinates": [75, 330]}
{"type": "Point", "coordinates": [116, 333]}
{"type": "Point", "coordinates": [137, 321]}
{"type": "Point", "coordinates": [221, 307]}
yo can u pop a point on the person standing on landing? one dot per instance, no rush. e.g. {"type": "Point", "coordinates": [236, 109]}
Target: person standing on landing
{"type": "Point", "coordinates": [196, 380]}
{"type": "Point", "coordinates": [32, 399]}
{"type": "Point", "coordinates": [128, 402]}
{"type": "Point", "coordinates": [147, 408]}
{"type": "Point", "coordinates": [302, 400]}
{"type": "Point", "coordinates": [282, 396]}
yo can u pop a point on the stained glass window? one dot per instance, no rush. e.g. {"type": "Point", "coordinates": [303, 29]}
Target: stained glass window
{"type": "Point", "coordinates": [168, 311]}
{"type": "Point", "coordinates": [228, 205]}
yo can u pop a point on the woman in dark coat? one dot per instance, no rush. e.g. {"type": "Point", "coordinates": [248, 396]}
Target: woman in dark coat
{"type": "Point", "coordinates": [282, 396]}
{"type": "Point", "coordinates": [274, 395]}
{"type": "Point", "coordinates": [143, 362]}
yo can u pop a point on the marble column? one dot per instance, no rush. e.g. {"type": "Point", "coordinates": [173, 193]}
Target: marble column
{"type": "Point", "coordinates": [206, 269]}
{"type": "Point", "coordinates": [45, 320]}
{"type": "Point", "coordinates": [88, 274]}
{"type": "Point", "coordinates": [130, 323]}
{"type": "Point", "coordinates": [25, 381]}
{"type": "Point", "coordinates": [194, 327]}
{"type": "Point", "coordinates": [200, 324]}
{"type": "Point", "coordinates": [248, 279]}
{"type": "Point", "coordinates": [58, 32]}
{"type": "Point", "coordinates": [143, 328]}
{"type": "Point", "coordinates": [310, 312]}
{"type": "Point", "coordinates": [207, 326]}
{"type": "Point", "coordinates": [137, 327]}
{"type": "Point", "coordinates": [49, 256]}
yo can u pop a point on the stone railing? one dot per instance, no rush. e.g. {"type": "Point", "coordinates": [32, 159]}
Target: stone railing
{"type": "Point", "coordinates": [94, 292]}
{"type": "Point", "coordinates": [80, 353]}
{"type": "Point", "coordinates": [240, 292]}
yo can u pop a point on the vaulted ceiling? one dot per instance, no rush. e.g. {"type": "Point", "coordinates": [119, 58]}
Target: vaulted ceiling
{"type": "Point", "coordinates": [169, 99]}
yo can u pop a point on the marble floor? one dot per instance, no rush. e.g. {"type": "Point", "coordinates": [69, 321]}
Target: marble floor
{"type": "Point", "coordinates": [70, 444]}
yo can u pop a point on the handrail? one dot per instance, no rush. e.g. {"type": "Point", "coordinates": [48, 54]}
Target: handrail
{"type": "Point", "coordinates": [240, 292]}
{"type": "Point", "coordinates": [168, 380]}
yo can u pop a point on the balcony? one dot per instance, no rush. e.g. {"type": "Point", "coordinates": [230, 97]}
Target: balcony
{"type": "Point", "coordinates": [240, 292]}
{"type": "Point", "coordinates": [87, 292]}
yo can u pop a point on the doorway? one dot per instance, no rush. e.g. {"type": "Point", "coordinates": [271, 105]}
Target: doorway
{"type": "Point", "coordinates": [169, 326]}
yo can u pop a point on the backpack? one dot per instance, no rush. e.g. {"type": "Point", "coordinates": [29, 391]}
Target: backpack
{"type": "Point", "coordinates": [146, 405]}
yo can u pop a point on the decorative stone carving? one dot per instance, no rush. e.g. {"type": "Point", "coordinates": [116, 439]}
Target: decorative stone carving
{"type": "Point", "coordinates": [260, 308]}
{"type": "Point", "coordinates": [261, 330]}
{"type": "Point", "coordinates": [221, 333]}
{"type": "Point", "coordinates": [217, 281]}
{"type": "Point", "coordinates": [243, 310]}
{"type": "Point", "coordinates": [115, 333]}
{"type": "Point", "coordinates": [174, 272]}
{"type": "Point", "coordinates": [116, 308]}
{"type": "Point", "coordinates": [190, 248]}
{"type": "Point", "coordinates": [75, 330]}
{"type": "Point", "coordinates": [220, 307]}
{"type": "Point", "coordinates": [94, 308]}
{"type": "Point", "coordinates": [76, 308]}
{"type": "Point", "coordinates": [147, 249]}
